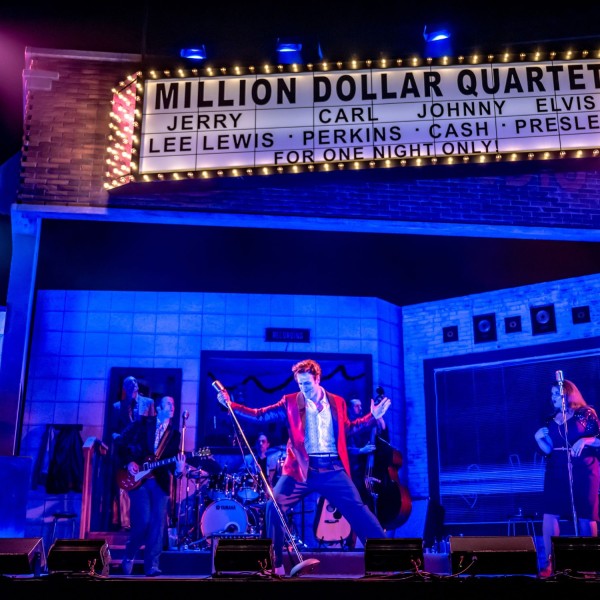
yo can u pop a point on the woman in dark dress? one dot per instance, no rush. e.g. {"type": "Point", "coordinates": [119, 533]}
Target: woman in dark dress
{"type": "Point", "coordinates": [582, 442]}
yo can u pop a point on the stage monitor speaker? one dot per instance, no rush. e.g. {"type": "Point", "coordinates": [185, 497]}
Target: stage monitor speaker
{"type": "Point", "coordinates": [393, 555]}
{"type": "Point", "coordinates": [480, 555]}
{"type": "Point", "coordinates": [239, 556]}
{"type": "Point", "coordinates": [576, 554]}
{"type": "Point", "coordinates": [79, 556]}
{"type": "Point", "coordinates": [20, 556]}
{"type": "Point", "coordinates": [543, 319]}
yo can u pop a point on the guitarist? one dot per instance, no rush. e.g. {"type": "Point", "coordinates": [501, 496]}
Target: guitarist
{"type": "Point", "coordinates": [146, 439]}
{"type": "Point", "coordinates": [130, 407]}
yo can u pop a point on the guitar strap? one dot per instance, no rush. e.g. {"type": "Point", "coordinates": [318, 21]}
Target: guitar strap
{"type": "Point", "coordinates": [163, 442]}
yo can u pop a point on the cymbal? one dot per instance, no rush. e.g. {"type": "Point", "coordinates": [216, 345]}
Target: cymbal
{"type": "Point", "coordinates": [210, 465]}
{"type": "Point", "coordinates": [274, 449]}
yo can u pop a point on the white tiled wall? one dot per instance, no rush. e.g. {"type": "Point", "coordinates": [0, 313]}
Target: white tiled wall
{"type": "Point", "coordinates": [78, 336]}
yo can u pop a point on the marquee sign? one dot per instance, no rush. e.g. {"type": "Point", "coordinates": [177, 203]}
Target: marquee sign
{"type": "Point", "coordinates": [358, 115]}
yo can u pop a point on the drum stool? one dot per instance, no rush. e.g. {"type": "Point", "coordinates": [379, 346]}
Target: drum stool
{"type": "Point", "coordinates": [525, 521]}
{"type": "Point", "coordinates": [66, 516]}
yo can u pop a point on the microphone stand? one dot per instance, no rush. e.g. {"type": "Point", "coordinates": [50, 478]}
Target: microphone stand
{"type": "Point", "coordinates": [303, 565]}
{"type": "Point", "coordinates": [176, 509]}
{"type": "Point", "coordinates": [568, 451]}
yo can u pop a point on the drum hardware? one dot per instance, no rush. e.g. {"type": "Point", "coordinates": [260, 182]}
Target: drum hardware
{"type": "Point", "coordinates": [208, 464]}
{"type": "Point", "coordinates": [189, 508]}
{"type": "Point", "coordinates": [198, 474]}
{"type": "Point", "coordinates": [222, 485]}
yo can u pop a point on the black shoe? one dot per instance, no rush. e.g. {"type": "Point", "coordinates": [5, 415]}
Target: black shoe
{"type": "Point", "coordinates": [154, 573]}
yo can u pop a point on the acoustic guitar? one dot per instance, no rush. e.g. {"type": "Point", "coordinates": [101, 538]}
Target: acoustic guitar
{"type": "Point", "coordinates": [330, 525]}
{"type": "Point", "coordinates": [129, 482]}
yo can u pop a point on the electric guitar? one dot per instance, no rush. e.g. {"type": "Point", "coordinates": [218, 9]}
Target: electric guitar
{"type": "Point", "coordinates": [129, 482]}
{"type": "Point", "coordinates": [330, 526]}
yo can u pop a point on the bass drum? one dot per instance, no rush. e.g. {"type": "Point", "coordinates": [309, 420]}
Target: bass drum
{"type": "Point", "coordinates": [223, 516]}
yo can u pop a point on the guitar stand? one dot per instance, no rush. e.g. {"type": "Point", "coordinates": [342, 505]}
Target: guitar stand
{"type": "Point", "coordinates": [342, 542]}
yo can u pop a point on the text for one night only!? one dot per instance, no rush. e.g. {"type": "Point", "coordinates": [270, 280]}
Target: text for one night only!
{"type": "Point", "coordinates": [252, 121]}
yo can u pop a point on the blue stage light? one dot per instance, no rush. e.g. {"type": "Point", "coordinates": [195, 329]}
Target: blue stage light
{"type": "Point", "coordinates": [437, 40]}
{"type": "Point", "coordinates": [198, 53]}
{"type": "Point", "coordinates": [289, 51]}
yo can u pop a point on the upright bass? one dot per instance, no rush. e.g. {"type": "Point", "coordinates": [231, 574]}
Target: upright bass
{"type": "Point", "coordinates": [391, 500]}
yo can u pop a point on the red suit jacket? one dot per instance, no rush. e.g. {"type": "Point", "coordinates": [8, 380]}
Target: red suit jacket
{"type": "Point", "coordinates": [293, 408]}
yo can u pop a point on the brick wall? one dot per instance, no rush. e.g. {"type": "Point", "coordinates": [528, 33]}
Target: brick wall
{"type": "Point", "coordinates": [67, 127]}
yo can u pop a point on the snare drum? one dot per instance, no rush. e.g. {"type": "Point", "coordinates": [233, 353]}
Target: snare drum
{"type": "Point", "coordinates": [249, 488]}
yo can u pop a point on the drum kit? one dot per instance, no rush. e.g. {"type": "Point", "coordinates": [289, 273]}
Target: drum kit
{"type": "Point", "coordinates": [215, 502]}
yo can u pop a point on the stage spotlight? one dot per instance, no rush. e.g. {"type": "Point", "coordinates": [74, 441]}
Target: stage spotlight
{"type": "Point", "coordinates": [197, 53]}
{"type": "Point", "coordinates": [292, 51]}
{"type": "Point", "coordinates": [289, 51]}
{"type": "Point", "coordinates": [438, 42]}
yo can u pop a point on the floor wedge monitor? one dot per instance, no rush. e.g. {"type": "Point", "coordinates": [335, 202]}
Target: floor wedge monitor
{"type": "Point", "coordinates": [393, 555]}
{"type": "Point", "coordinates": [502, 555]}
{"type": "Point", "coordinates": [79, 556]}
{"type": "Point", "coordinates": [21, 556]}
{"type": "Point", "coordinates": [576, 554]}
{"type": "Point", "coordinates": [240, 556]}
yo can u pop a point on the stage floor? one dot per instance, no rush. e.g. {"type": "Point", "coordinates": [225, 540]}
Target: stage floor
{"type": "Point", "coordinates": [339, 571]}
{"type": "Point", "coordinates": [298, 588]}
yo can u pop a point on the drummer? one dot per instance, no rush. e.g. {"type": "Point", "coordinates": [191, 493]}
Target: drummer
{"type": "Point", "coordinates": [267, 459]}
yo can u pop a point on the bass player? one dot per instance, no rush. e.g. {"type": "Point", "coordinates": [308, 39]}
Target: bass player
{"type": "Point", "coordinates": [150, 438]}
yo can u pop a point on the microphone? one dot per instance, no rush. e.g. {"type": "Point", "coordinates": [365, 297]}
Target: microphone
{"type": "Point", "coordinates": [560, 380]}
{"type": "Point", "coordinates": [185, 415]}
{"type": "Point", "coordinates": [218, 386]}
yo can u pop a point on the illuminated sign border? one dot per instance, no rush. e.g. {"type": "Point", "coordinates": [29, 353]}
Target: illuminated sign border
{"type": "Point", "coordinates": [568, 72]}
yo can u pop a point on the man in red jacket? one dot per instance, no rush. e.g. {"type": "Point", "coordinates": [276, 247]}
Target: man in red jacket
{"type": "Point", "coordinates": [316, 454]}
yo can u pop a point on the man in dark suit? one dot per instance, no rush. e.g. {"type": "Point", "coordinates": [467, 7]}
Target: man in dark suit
{"type": "Point", "coordinates": [130, 407]}
{"type": "Point", "coordinates": [150, 439]}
